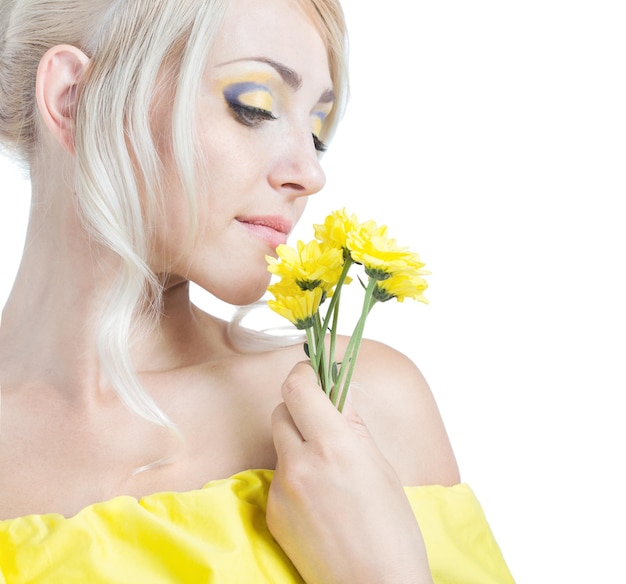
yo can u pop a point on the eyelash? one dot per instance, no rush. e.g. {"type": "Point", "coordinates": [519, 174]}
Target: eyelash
{"type": "Point", "coordinates": [319, 145]}
{"type": "Point", "coordinates": [253, 116]}
{"type": "Point", "coordinates": [250, 116]}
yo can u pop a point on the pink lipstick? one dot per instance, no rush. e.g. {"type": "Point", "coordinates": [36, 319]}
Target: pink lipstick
{"type": "Point", "coordinates": [272, 229]}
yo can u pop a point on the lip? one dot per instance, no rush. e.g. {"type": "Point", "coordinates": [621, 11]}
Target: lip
{"type": "Point", "coordinates": [273, 229]}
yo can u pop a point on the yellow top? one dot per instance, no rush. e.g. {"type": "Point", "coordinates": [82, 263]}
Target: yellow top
{"type": "Point", "coordinates": [218, 534]}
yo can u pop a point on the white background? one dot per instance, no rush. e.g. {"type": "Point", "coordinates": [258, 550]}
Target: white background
{"type": "Point", "coordinates": [490, 136]}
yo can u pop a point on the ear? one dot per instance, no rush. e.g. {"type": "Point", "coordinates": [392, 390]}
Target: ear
{"type": "Point", "coordinates": [60, 70]}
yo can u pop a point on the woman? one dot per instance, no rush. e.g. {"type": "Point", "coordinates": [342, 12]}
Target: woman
{"type": "Point", "coordinates": [172, 141]}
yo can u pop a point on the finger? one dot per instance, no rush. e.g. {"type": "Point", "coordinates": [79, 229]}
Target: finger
{"type": "Point", "coordinates": [285, 433]}
{"type": "Point", "coordinates": [311, 411]}
{"type": "Point", "coordinates": [353, 418]}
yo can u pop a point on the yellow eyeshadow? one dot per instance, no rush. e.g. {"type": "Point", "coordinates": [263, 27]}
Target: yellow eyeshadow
{"type": "Point", "coordinates": [258, 98]}
{"type": "Point", "coordinates": [324, 109]}
{"type": "Point", "coordinates": [318, 117]}
{"type": "Point", "coordinates": [260, 78]}
{"type": "Point", "coordinates": [316, 125]}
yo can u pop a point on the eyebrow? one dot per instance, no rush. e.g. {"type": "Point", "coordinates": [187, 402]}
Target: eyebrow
{"type": "Point", "coordinates": [288, 75]}
{"type": "Point", "coordinates": [328, 96]}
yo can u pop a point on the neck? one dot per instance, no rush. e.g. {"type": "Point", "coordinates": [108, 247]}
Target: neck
{"type": "Point", "coordinates": [60, 283]}
{"type": "Point", "coordinates": [49, 323]}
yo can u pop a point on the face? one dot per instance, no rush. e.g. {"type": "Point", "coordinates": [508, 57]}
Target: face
{"type": "Point", "coordinates": [265, 96]}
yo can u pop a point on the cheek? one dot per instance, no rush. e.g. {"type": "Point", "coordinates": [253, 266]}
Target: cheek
{"type": "Point", "coordinates": [226, 154]}
{"type": "Point", "coordinates": [300, 206]}
{"type": "Point", "coordinates": [171, 236]}
{"type": "Point", "coordinates": [229, 152]}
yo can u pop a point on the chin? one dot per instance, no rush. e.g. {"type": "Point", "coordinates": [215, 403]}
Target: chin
{"type": "Point", "coordinates": [239, 299]}
{"type": "Point", "coordinates": [240, 292]}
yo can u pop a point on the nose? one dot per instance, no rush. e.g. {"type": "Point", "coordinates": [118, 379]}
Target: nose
{"type": "Point", "coordinates": [297, 170]}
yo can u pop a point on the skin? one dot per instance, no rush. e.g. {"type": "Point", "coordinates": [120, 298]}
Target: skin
{"type": "Point", "coordinates": [66, 441]}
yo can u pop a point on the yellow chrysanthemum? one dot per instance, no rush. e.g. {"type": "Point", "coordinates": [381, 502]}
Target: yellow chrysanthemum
{"type": "Point", "coordinates": [309, 265]}
{"type": "Point", "coordinates": [380, 255]}
{"type": "Point", "coordinates": [284, 287]}
{"type": "Point", "coordinates": [335, 229]}
{"type": "Point", "coordinates": [401, 285]}
{"type": "Point", "coordinates": [296, 305]}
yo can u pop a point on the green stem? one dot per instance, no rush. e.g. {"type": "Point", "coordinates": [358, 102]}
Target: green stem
{"type": "Point", "coordinates": [313, 355]}
{"type": "Point", "coordinates": [333, 337]}
{"type": "Point", "coordinates": [311, 349]}
{"type": "Point", "coordinates": [349, 361]}
{"type": "Point", "coordinates": [333, 307]}
{"type": "Point", "coordinates": [334, 299]}
{"type": "Point", "coordinates": [324, 365]}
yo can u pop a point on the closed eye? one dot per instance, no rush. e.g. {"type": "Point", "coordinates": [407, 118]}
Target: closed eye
{"type": "Point", "coordinates": [250, 116]}
{"type": "Point", "coordinates": [250, 102]}
{"type": "Point", "coordinates": [319, 145]}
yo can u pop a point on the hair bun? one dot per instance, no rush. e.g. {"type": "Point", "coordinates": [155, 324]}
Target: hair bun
{"type": "Point", "coordinates": [17, 79]}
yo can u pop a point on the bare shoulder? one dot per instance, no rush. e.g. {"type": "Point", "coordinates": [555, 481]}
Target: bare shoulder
{"type": "Point", "coordinates": [396, 403]}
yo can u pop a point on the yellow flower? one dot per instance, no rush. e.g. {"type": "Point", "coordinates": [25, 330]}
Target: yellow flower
{"type": "Point", "coordinates": [335, 229]}
{"type": "Point", "coordinates": [296, 305]}
{"type": "Point", "coordinates": [309, 265]}
{"type": "Point", "coordinates": [380, 255]}
{"type": "Point", "coordinates": [284, 287]}
{"type": "Point", "coordinates": [401, 285]}
{"type": "Point", "coordinates": [316, 270]}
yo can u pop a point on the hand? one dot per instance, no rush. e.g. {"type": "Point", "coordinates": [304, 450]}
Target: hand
{"type": "Point", "coordinates": [335, 505]}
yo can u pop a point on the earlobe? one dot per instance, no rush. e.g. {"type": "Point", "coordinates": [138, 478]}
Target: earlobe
{"type": "Point", "coordinates": [60, 70]}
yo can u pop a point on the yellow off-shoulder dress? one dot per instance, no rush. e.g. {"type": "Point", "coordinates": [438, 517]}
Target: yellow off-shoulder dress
{"type": "Point", "coordinates": [218, 534]}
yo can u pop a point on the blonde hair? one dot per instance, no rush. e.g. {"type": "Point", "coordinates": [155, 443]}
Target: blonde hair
{"type": "Point", "coordinates": [129, 44]}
